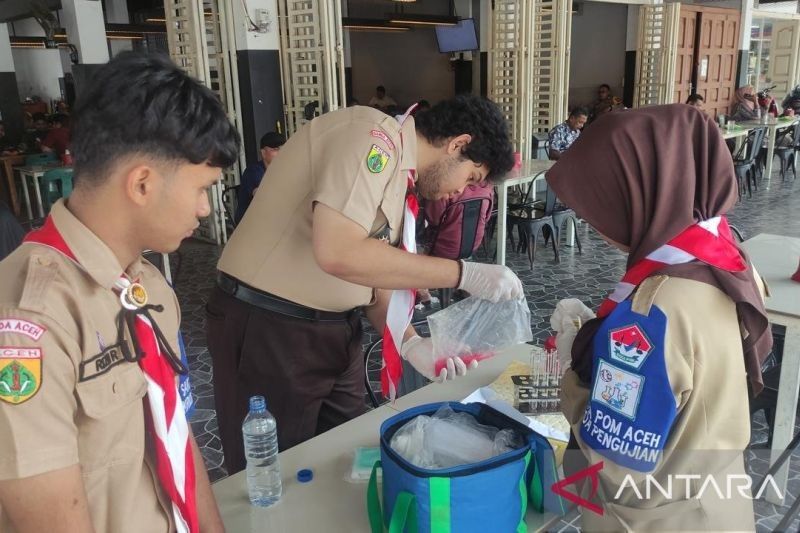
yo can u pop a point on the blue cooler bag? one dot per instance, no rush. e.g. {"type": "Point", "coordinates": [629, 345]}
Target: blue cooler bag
{"type": "Point", "coordinates": [491, 495]}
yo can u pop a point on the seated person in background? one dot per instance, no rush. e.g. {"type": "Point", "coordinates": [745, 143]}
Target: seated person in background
{"type": "Point", "coordinates": [695, 100]}
{"type": "Point", "coordinates": [381, 100]}
{"type": "Point", "coordinates": [605, 102]}
{"type": "Point", "coordinates": [251, 177]}
{"type": "Point", "coordinates": [562, 136]}
{"type": "Point", "coordinates": [31, 141]}
{"type": "Point", "coordinates": [57, 139]}
{"type": "Point", "coordinates": [792, 101]}
{"type": "Point", "coordinates": [746, 105]}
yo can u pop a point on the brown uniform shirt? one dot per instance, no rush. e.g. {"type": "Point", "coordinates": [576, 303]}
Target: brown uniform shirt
{"type": "Point", "coordinates": [705, 365]}
{"type": "Point", "coordinates": [61, 406]}
{"type": "Point", "coordinates": [352, 160]}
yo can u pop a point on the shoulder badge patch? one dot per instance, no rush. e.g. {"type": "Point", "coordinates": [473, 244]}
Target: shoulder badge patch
{"type": "Point", "coordinates": [629, 345]}
{"type": "Point", "coordinates": [22, 327]}
{"type": "Point", "coordinates": [377, 159]}
{"type": "Point", "coordinates": [20, 373]}
{"type": "Point", "coordinates": [382, 136]}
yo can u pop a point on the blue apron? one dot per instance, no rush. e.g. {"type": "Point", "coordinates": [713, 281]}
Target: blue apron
{"type": "Point", "coordinates": [632, 408]}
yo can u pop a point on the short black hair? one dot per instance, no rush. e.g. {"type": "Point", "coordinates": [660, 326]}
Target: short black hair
{"type": "Point", "coordinates": [39, 116]}
{"type": "Point", "coordinates": [272, 139]}
{"type": "Point", "coordinates": [423, 104]}
{"type": "Point", "coordinates": [578, 111]}
{"type": "Point", "coordinates": [144, 104]}
{"type": "Point", "coordinates": [482, 119]}
{"type": "Point", "coordinates": [380, 88]}
{"type": "Point", "coordinates": [694, 98]}
{"type": "Point", "coordinates": [61, 118]}
{"type": "Point", "coordinates": [607, 86]}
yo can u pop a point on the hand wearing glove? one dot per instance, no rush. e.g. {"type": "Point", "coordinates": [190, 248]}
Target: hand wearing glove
{"type": "Point", "coordinates": [419, 352]}
{"type": "Point", "coordinates": [567, 319]}
{"type": "Point", "coordinates": [490, 282]}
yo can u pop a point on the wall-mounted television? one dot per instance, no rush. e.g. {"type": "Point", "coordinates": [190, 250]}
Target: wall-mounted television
{"type": "Point", "coordinates": [459, 38]}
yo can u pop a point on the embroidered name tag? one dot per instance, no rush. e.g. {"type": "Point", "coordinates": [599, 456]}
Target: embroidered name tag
{"type": "Point", "coordinates": [103, 362]}
{"type": "Point", "coordinates": [22, 327]}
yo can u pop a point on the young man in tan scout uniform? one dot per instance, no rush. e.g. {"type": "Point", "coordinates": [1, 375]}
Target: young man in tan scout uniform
{"type": "Point", "coordinates": [89, 329]}
{"type": "Point", "coordinates": [283, 320]}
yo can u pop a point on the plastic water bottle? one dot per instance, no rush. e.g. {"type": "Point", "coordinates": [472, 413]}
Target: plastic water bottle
{"type": "Point", "coordinates": [261, 450]}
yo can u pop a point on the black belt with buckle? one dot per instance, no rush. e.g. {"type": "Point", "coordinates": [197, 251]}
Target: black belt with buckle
{"type": "Point", "coordinates": [269, 302]}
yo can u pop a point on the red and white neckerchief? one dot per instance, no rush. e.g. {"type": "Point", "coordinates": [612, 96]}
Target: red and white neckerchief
{"type": "Point", "coordinates": [401, 303]}
{"type": "Point", "coordinates": [709, 241]}
{"type": "Point", "coordinates": [165, 419]}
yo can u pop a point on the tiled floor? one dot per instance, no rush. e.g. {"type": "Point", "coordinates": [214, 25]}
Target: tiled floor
{"type": "Point", "coordinates": [587, 276]}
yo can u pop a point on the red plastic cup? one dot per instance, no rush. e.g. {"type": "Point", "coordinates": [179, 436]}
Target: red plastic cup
{"type": "Point", "coordinates": [517, 160]}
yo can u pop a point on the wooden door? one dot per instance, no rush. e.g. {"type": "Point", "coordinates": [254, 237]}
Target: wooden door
{"type": "Point", "coordinates": [684, 57]}
{"type": "Point", "coordinates": [716, 53]}
{"type": "Point", "coordinates": [783, 61]}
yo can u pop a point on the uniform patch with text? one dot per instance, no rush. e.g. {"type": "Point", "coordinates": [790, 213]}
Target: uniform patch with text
{"type": "Point", "coordinates": [22, 327]}
{"type": "Point", "coordinates": [382, 136]}
{"type": "Point", "coordinates": [20, 373]}
{"type": "Point", "coordinates": [99, 364]}
{"type": "Point", "coordinates": [377, 159]}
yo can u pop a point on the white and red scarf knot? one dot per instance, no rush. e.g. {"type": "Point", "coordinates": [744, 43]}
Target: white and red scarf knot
{"type": "Point", "coordinates": [709, 241]}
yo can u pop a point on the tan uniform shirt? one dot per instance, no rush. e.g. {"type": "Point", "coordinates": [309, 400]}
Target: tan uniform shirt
{"type": "Point", "coordinates": [60, 405]}
{"type": "Point", "coordinates": [352, 160]}
{"type": "Point", "coordinates": [705, 365]}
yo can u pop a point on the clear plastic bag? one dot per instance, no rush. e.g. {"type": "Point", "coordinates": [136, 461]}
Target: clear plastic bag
{"type": "Point", "coordinates": [448, 439]}
{"type": "Point", "coordinates": [476, 329]}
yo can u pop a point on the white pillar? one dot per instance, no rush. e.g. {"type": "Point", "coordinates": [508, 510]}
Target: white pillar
{"type": "Point", "coordinates": [117, 13]}
{"type": "Point", "coordinates": [86, 29]}
{"type": "Point", "coordinates": [6, 59]}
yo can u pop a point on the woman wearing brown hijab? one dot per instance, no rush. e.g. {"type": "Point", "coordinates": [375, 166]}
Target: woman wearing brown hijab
{"type": "Point", "coordinates": [658, 382]}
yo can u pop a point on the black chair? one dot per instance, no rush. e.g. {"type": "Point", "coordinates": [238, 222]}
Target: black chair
{"type": "Point", "coordinates": [541, 146]}
{"type": "Point", "coordinates": [470, 210]}
{"type": "Point", "coordinates": [737, 233]}
{"type": "Point", "coordinates": [561, 214]}
{"type": "Point", "coordinates": [744, 160]}
{"type": "Point", "coordinates": [785, 148]}
{"type": "Point", "coordinates": [531, 219]}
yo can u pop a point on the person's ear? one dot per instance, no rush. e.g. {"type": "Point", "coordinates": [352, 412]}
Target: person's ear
{"type": "Point", "coordinates": [140, 183]}
{"type": "Point", "coordinates": [457, 144]}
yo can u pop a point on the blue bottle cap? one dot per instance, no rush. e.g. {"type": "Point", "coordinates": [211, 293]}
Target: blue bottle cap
{"type": "Point", "coordinates": [258, 404]}
{"type": "Point", "coordinates": [305, 475]}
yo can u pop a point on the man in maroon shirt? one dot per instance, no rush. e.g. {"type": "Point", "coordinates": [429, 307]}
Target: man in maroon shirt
{"type": "Point", "coordinates": [57, 139]}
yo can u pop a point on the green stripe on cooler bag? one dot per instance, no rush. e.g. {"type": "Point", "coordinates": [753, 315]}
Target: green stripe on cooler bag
{"type": "Point", "coordinates": [536, 489]}
{"type": "Point", "coordinates": [440, 504]}
{"type": "Point", "coordinates": [523, 494]}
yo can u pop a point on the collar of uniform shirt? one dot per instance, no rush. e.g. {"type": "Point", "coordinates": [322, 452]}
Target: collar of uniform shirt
{"type": "Point", "coordinates": [408, 161]}
{"type": "Point", "coordinates": [93, 255]}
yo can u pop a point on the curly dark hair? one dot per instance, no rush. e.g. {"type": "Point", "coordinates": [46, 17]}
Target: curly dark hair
{"type": "Point", "coordinates": [143, 103]}
{"type": "Point", "coordinates": [480, 118]}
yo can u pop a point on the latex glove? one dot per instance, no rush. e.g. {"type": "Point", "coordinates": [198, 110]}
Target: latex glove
{"type": "Point", "coordinates": [419, 352]}
{"type": "Point", "coordinates": [490, 282]}
{"type": "Point", "coordinates": [566, 320]}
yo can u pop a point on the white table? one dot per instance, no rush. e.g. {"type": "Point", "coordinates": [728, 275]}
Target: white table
{"type": "Point", "coordinates": [738, 131]}
{"type": "Point", "coordinates": [329, 503]}
{"type": "Point", "coordinates": [531, 171]}
{"type": "Point", "coordinates": [776, 258]}
{"type": "Point", "coordinates": [772, 128]}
